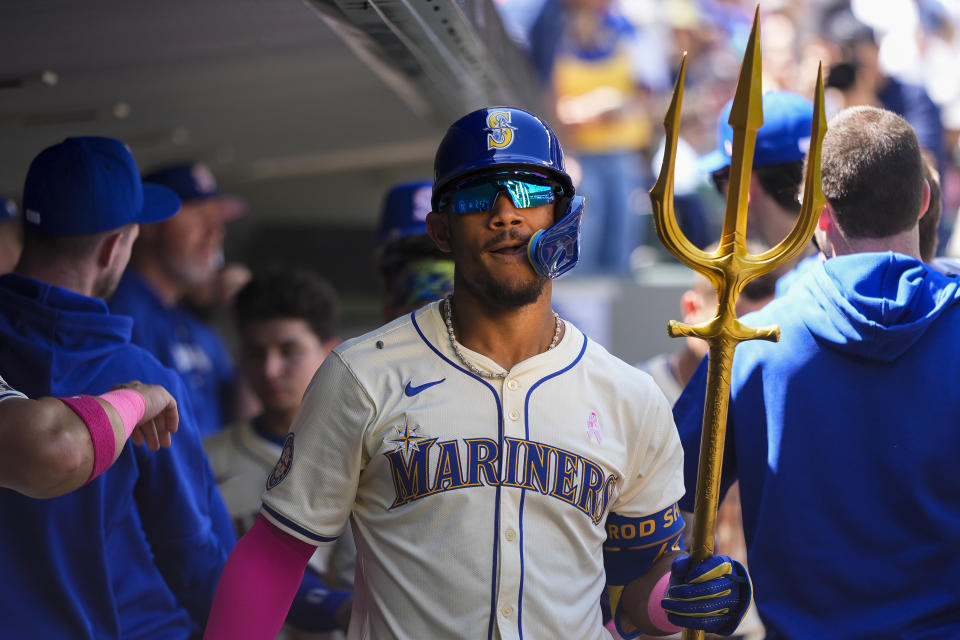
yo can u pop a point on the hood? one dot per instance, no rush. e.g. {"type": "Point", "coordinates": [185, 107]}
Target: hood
{"type": "Point", "coordinates": [49, 330]}
{"type": "Point", "coordinates": [873, 305]}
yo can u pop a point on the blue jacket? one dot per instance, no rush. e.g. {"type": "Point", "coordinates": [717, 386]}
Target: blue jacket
{"type": "Point", "coordinates": [137, 552]}
{"type": "Point", "coordinates": [182, 342]}
{"type": "Point", "coordinates": [844, 436]}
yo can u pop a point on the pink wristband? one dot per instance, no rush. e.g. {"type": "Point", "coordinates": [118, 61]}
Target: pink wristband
{"type": "Point", "coordinates": [130, 404]}
{"type": "Point", "coordinates": [657, 615]}
{"type": "Point", "coordinates": [101, 431]}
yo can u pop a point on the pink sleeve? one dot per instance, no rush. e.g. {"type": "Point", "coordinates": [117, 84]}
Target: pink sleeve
{"type": "Point", "coordinates": [258, 584]}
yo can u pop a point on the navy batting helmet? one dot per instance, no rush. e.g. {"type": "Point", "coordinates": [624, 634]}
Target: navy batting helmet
{"type": "Point", "coordinates": [498, 139]}
{"type": "Point", "coordinates": [494, 138]}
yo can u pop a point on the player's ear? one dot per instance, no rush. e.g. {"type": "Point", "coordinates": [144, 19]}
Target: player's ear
{"type": "Point", "coordinates": [826, 222]}
{"type": "Point", "coordinates": [438, 228]}
{"type": "Point", "coordinates": [107, 250]}
{"type": "Point", "coordinates": [689, 305]}
{"type": "Point", "coordinates": [925, 204]}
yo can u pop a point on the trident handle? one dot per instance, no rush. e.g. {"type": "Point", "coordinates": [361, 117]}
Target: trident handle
{"type": "Point", "coordinates": [730, 266]}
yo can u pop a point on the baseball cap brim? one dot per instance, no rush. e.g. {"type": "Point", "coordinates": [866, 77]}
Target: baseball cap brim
{"type": "Point", "coordinates": [159, 203]}
{"type": "Point", "coordinates": [713, 161]}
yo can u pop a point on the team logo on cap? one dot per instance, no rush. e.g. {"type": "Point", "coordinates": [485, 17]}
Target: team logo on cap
{"type": "Point", "coordinates": [282, 468]}
{"type": "Point", "coordinates": [499, 130]}
{"type": "Point", "coordinates": [421, 202]}
{"type": "Point", "coordinates": [203, 180]}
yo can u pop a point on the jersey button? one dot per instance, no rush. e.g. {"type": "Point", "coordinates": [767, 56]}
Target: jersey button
{"type": "Point", "coordinates": [513, 385]}
{"type": "Point", "coordinates": [506, 610]}
{"type": "Point", "coordinates": [509, 534]}
{"type": "Point", "coordinates": [514, 415]}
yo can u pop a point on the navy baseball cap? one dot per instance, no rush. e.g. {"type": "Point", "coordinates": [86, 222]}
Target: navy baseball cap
{"type": "Point", "coordinates": [195, 181]}
{"type": "Point", "coordinates": [405, 211]}
{"type": "Point", "coordinates": [8, 209]}
{"type": "Point", "coordinates": [784, 136]}
{"type": "Point", "coordinates": [88, 185]}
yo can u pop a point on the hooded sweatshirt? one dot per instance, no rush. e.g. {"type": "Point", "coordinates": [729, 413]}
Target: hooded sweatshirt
{"type": "Point", "coordinates": [137, 552]}
{"type": "Point", "coordinates": [845, 437]}
{"type": "Point", "coordinates": [179, 340]}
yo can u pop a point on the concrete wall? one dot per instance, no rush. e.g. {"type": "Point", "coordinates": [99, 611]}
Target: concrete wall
{"type": "Point", "coordinates": [627, 316]}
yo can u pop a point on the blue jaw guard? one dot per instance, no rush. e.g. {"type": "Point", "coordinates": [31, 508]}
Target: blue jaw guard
{"type": "Point", "coordinates": [555, 250]}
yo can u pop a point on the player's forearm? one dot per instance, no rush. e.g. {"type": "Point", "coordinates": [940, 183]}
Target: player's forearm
{"type": "Point", "coordinates": [640, 602]}
{"type": "Point", "coordinates": [45, 448]}
{"type": "Point", "coordinates": [242, 607]}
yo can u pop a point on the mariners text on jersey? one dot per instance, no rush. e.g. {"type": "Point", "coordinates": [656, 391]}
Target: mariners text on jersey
{"type": "Point", "coordinates": [536, 466]}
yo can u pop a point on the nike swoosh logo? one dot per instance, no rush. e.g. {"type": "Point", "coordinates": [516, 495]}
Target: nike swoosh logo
{"type": "Point", "coordinates": [411, 390]}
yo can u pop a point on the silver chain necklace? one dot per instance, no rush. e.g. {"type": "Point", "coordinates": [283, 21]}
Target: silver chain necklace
{"type": "Point", "coordinates": [448, 319]}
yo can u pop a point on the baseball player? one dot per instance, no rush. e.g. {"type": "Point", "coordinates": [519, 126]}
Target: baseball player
{"type": "Point", "coordinates": [170, 258]}
{"type": "Point", "coordinates": [137, 551]}
{"type": "Point", "coordinates": [412, 270]}
{"type": "Point", "coordinates": [286, 322]}
{"type": "Point", "coordinates": [497, 466]}
{"type": "Point", "coordinates": [51, 446]}
{"type": "Point", "coordinates": [777, 174]}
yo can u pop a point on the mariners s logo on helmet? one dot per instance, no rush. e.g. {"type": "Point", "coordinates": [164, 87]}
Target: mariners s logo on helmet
{"type": "Point", "coordinates": [499, 130]}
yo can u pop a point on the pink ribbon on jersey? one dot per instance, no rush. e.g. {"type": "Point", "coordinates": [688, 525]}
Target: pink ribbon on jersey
{"type": "Point", "coordinates": [593, 427]}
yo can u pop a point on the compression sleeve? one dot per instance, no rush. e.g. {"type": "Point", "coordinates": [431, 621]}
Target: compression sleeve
{"type": "Point", "coordinates": [242, 607]}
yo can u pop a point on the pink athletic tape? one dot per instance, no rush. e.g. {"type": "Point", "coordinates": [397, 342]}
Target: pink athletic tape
{"type": "Point", "coordinates": [130, 404]}
{"type": "Point", "coordinates": [101, 432]}
{"type": "Point", "coordinates": [258, 584]}
{"type": "Point", "coordinates": [657, 615]}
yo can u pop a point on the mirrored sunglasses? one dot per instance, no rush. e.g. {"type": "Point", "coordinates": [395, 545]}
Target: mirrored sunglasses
{"type": "Point", "coordinates": [480, 192]}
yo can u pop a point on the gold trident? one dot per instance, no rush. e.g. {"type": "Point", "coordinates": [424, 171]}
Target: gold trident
{"type": "Point", "coordinates": [730, 267]}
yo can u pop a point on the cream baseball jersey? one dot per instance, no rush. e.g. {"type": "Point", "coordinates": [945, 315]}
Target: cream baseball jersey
{"type": "Point", "coordinates": [241, 460]}
{"type": "Point", "coordinates": [478, 505]}
{"type": "Point", "coordinates": [7, 392]}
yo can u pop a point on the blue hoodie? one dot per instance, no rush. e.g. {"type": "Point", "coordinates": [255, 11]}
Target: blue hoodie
{"type": "Point", "coordinates": [179, 340]}
{"type": "Point", "coordinates": [137, 552]}
{"type": "Point", "coordinates": [845, 437]}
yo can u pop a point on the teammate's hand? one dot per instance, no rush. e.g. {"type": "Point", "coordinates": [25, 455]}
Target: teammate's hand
{"type": "Point", "coordinates": [713, 596]}
{"type": "Point", "coordinates": [160, 417]}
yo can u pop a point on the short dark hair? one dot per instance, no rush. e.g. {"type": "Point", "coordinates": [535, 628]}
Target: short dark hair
{"type": "Point", "coordinates": [70, 248]}
{"type": "Point", "coordinates": [872, 172]}
{"type": "Point", "coordinates": [286, 292]}
{"type": "Point", "coordinates": [782, 183]}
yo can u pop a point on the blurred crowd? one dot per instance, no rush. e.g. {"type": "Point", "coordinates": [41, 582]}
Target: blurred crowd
{"type": "Point", "coordinates": [607, 68]}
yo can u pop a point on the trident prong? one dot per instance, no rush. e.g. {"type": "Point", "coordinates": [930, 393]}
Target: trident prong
{"type": "Point", "coordinates": [730, 266]}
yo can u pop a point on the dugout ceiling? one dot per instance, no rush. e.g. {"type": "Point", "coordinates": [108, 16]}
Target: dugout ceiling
{"type": "Point", "coordinates": [309, 109]}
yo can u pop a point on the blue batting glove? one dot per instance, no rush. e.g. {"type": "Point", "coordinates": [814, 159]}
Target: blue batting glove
{"type": "Point", "coordinates": [713, 596]}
